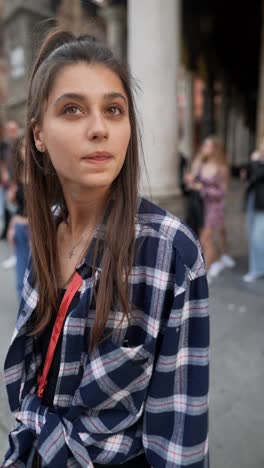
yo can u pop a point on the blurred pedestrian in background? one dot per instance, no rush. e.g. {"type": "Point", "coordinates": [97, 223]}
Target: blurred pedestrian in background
{"type": "Point", "coordinates": [3, 174]}
{"type": "Point", "coordinates": [18, 232]}
{"type": "Point", "coordinates": [192, 198]}
{"type": "Point", "coordinates": [255, 214]}
{"type": "Point", "coordinates": [11, 134]}
{"type": "Point", "coordinates": [209, 176]}
{"type": "Point", "coordinates": [194, 205]}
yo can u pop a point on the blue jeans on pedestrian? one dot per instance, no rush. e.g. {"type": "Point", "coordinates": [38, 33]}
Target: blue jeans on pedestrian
{"type": "Point", "coordinates": [1, 202]}
{"type": "Point", "coordinates": [22, 250]}
{"type": "Point", "coordinates": [255, 229]}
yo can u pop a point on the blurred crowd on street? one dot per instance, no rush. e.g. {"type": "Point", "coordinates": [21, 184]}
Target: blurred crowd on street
{"type": "Point", "coordinates": [205, 183]}
{"type": "Point", "coordinates": [12, 205]}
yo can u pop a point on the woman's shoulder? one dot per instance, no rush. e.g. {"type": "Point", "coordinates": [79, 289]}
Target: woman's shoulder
{"type": "Point", "coordinates": [155, 223]}
{"type": "Point", "coordinates": [255, 156]}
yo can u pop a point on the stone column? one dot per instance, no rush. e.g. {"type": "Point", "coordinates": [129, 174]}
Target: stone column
{"type": "Point", "coordinates": [208, 118]}
{"type": "Point", "coordinates": [230, 141]}
{"type": "Point", "coordinates": [243, 144]}
{"type": "Point", "coordinates": [260, 108]}
{"type": "Point", "coordinates": [241, 140]}
{"type": "Point", "coordinates": [115, 21]}
{"type": "Point", "coordinates": [189, 114]}
{"type": "Point", "coordinates": [153, 55]}
{"type": "Point", "coordinates": [22, 33]}
{"type": "Point", "coordinates": [3, 67]}
{"type": "Point", "coordinates": [219, 110]}
{"type": "Point", "coordinates": [225, 104]}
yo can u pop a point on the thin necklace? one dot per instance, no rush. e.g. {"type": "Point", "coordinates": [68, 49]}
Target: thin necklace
{"type": "Point", "coordinates": [87, 233]}
{"type": "Point", "coordinates": [79, 259]}
{"type": "Point", "coordinates": [65, 284]}
{"type": "Point", "coordinates": [73, 246]}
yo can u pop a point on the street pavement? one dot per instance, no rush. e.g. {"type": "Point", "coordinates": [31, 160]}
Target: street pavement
{"type": "Point", "coordinates": [237, 350]}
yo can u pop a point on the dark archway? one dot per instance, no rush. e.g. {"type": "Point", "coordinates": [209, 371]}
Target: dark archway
{"type": "Point", "coordinates": [227, 34]}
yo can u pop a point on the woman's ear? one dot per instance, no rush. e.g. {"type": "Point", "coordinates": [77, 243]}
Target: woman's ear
{"type": "Point", "coordinates": [38, 137]}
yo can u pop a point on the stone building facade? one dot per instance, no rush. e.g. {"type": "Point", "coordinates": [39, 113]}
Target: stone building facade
{"type": "Point", "coordinates": [22, 33]}
{"type": "Point", "coordinates": [3, 67]}
{"type": "Point", "coordinates": [172, 47]}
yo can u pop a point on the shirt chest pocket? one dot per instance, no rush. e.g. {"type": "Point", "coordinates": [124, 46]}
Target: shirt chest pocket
{"type": "Point", "coordinates": [115, 377]}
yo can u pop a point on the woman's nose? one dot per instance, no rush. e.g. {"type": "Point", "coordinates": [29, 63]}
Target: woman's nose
{"type": "Point", "coordinates": [97, 127]}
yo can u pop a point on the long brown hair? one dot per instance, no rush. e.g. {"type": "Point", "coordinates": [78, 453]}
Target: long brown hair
{"type": "Point", "coordinates": [58, 50]}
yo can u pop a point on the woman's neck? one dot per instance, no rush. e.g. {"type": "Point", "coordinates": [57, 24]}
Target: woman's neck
{"type": "Point", "coordinates": [85, 210]}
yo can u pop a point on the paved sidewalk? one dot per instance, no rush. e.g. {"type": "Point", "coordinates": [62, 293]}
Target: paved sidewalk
{"type": "Point", "coordinates": [237, 351]}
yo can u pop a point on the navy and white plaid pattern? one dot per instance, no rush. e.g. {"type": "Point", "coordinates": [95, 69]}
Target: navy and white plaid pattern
{"type": "Point", "coordinates": [145, 387]}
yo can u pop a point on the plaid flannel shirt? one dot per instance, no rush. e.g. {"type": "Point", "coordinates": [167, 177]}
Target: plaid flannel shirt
{"type": "Point", "coordinates": [145, 387]}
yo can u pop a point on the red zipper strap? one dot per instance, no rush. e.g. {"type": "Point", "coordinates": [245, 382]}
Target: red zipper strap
{"type": "Point", "coordinates": [73, 287]}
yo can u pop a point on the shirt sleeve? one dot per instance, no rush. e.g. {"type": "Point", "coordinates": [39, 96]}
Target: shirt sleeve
{"type": "Point", "coordinates": [176, 416]}
{"type": "Point", "coordinates": [57, 436]}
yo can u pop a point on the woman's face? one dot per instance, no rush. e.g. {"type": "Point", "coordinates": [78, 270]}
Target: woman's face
{"type": "Point", "coordinates": [208, 148]}
{"type": "Point", "coordinates": [85, 127]}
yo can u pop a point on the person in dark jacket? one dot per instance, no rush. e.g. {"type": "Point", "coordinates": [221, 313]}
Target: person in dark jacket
{"type": "Point", "coordinates": [255, 215]}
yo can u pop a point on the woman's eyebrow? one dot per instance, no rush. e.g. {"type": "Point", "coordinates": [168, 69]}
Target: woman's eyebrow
{"type": "Point", "coordinates": [79, 97]}
{"type": "Point", "coordinates": [115, 95]}
{"type": "Point", "coordinates": [82, 97]}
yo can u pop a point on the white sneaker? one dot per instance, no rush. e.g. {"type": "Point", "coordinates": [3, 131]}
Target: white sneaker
{"type": "Point", "coordinates": [250, 278]}
{"type": "Point", "coordinates": [215, 269]}
{"type": "Point", "coordinates": [227, 261]}
{"type": "Point", "coordinates": [10, 262]}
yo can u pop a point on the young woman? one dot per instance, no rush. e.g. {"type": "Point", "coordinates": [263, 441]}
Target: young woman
{"type": "Point", "coordinates": [127, 382]}
{"type": "Point", "coordinates": [210, 176]}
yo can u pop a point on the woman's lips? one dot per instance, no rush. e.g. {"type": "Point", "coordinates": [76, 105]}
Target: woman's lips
{"type": "Point", "coordinates": [98, 157]}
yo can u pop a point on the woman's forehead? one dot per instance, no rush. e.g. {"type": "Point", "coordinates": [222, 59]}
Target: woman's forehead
{"type": "Point", "coordinates": [85, 79]}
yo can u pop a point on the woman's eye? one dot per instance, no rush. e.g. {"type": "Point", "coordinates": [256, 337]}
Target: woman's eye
{"type": "Point", "coordinates": [114, 110]}
{"type": "Point", "coordinates": [71, 110]}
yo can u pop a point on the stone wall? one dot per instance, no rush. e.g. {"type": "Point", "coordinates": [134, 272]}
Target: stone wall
{"type": "Point", "coordinates": [22, 29]}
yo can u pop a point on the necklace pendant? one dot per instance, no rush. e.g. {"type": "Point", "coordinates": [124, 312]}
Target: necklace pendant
{"type": "Point", "coordinates": [71, 252]}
